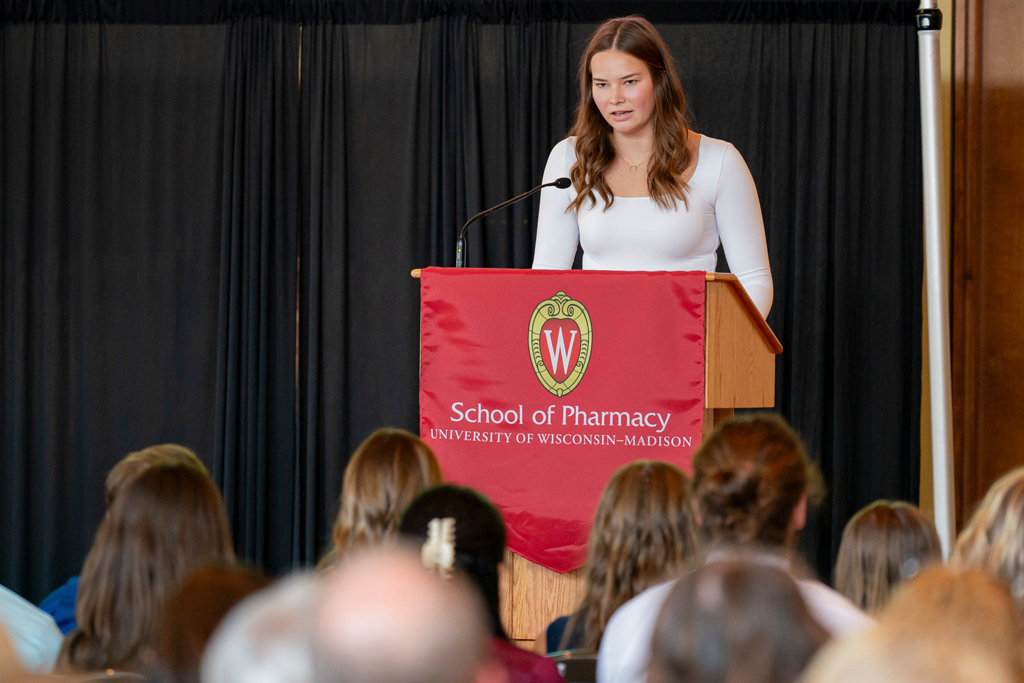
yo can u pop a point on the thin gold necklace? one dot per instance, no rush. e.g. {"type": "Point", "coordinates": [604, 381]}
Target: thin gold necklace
{"type": "Point", "coordinates": [636, 166]}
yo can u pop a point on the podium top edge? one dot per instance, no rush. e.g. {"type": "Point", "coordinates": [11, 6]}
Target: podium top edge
{"type": "Point", "coordinates": [733, 282]}
{"type": "Point", "coordinates": [708, 277]}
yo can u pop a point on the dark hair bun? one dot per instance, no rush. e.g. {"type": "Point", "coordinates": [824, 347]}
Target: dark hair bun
{"type": "Point", "coordinates": [748, 476]}
{"type": "Point", "coordinates": [730, 501]}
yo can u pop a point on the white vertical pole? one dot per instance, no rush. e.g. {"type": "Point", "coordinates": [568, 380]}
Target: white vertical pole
{"type": "Point", "coordinates": [936, 252]}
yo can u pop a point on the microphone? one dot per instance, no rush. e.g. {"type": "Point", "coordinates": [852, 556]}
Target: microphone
{"type": "Point", "coordinates": [460, 244]}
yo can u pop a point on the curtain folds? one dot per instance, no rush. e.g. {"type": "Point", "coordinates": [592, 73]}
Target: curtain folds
{"type": "Point", "coordinates": [110, 201]}
{"type": "Point", "coordinates": [163, 12]}
{"type": "Point", "coordinates": [210, 212]}
{"type": "Point", "coordinates": [255, 431]}
{"type": "Point", "coordinates": [408, 131]}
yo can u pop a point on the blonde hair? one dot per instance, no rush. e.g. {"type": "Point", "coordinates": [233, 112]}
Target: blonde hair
{"type": "Point", "coordinates": [993, 541]}
{"type": "Point", "coordinates": [643, 529]}
{"type": "Point", "coordinates": [388, 470]}
{"type": "Point", "coordinates": [943, 626]}
{"type": "Point", "coordinates": [871, 657]}
{"type": "Point", "coordinates": [137, 462]}
{"type": "Point", "coordinates": [884, 544]}
{"type": "Point", "coordinates": [969, 606]}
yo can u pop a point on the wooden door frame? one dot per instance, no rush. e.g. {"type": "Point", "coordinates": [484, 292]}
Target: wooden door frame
{"type": "Point", "coordinates": [965, 235]}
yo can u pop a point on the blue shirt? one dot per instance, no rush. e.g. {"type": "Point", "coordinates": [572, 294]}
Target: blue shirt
{"type": "Point", "coordinates": [60, 604]}
{"type": "Point", "coordinates": [556, 629]}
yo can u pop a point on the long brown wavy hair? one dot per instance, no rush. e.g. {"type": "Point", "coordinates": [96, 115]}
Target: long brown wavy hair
{"type": "Point", "coordinates": [670, 157]}
{"type": "Point", "coordinates": [642, 531]}
{"type": "Point", "coordinates": [388, 470]}
{"type": "Point", "coordinates": [164, 524]}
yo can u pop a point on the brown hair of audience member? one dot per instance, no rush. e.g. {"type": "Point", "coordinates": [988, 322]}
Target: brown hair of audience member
{"type": "Point", "coordinates": [388, 470]}
{"type": "Point", "coordinates": [192, 614]}
{"type": "Point", "coordinates": [137, 462]}
{"type": "Point", "coordinates": [671, 156]}
{"type": "Point", "coordinates": [643, 530]}
{"type": "Point", "coordinates": [943, 626]}
{"type": "Point", "coordinates": [734, 621]}
{"type": "Point", "coordinates": [884, 544]}
{"type": "Point", "coordinates": [993, 541]}
{"type": "Point", "coordinates": [164, 524]}
{"type": "Point", "coordinates": [751, 478]}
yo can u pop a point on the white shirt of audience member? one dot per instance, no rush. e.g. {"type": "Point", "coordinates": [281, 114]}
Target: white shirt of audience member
{"type": "Point", "coordinates": [626, 644]}
{"type": "Point", "coordinates": [33, 633]}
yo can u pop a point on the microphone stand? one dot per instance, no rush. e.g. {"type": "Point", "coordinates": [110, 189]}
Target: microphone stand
{"type": "Point", "coordinates": [460, 243]}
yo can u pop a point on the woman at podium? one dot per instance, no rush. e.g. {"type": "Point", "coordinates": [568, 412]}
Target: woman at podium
{"type": "Point", "coordinates": [647, 192]}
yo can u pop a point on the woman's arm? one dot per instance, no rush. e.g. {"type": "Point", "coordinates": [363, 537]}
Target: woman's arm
{"type": "Point", "coordinates": [557, 231]}
{"type": "Point", "coordinates": [741, 229]}
{"type": "Point", "coordinates": [540, 644]}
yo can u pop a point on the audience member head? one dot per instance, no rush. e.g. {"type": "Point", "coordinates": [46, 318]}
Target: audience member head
{"type": "Point", "coordinates": [734, 621]}
{"type": "Point", "coordinates": [941, 627]}
{"type": "Point", "coordinates": [868, 657]}
{"type": "Point", "coordinates": [643, 530]}
{"type": "Point", "coordinates": [267, 637]}
{"type": "Point", "coordinates": [382, 618]}
{"type": "Point", "coordinates": [884, 544]}
{"type": "Point", "coordinates": [164, 524]}
{"type": "Point", "coordinates": [479, 543]}
{"type": "Point", "coordinates": [752, 482]}
{"type": "Point", "coordinates": [968, 607]}
{"type": "Point", "coordinates": [193, 612]}
{"type": "Point", "coordinates": [388, 470]}
{"type": "Point", "coordinates": [133, 464]}
{"type": "Point", "coordinates": [993, 541]}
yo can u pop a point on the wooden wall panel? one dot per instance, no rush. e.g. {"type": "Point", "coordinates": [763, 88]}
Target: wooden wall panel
{"type": "Point", "coordinates": [988, 245]}
{"type": "Point", "coordinates": [532, 597]}
{"type": "Point", "coordinates": [739, 370]}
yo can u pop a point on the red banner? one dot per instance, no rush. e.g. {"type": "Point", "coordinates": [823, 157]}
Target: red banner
{"type": "Point", "coordinates": [535, 386]}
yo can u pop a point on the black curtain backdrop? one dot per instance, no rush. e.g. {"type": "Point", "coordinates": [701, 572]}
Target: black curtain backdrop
{"type": "Point", "coordinates": [149, 190]}
{"type": "Point", "coordinates": [110, 189]}
{"type": "Point", "coordinates": [199, 203]}
{"type": "Point", "coordinates": [410, 129]}
{"type": "Point", "coordinates": [254, 454]}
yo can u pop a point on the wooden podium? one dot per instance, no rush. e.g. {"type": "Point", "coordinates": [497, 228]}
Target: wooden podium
{"type": "Point", "coordinates": [739, 372]}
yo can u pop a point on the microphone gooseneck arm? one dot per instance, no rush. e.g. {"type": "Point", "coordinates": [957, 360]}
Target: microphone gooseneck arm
{"type": "Point", "coordinates": [460, 243]}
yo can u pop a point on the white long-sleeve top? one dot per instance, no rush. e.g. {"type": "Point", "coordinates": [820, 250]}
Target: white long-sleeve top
{"type": "Point", "coordinates": [626, 644]}
{"type": "Point", "coordinates": [637, 234]}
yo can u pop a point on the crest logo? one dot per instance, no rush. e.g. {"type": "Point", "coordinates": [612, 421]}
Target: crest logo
{"type": "Point", "coordinates": [560, 343]}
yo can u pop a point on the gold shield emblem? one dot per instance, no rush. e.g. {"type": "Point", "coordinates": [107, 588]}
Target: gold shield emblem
{"type": "Point", "coordinates": [560, 343]}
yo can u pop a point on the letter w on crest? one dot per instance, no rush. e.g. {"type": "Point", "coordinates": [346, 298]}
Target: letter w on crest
{"type": "Point", "coordinates": [555, 320]}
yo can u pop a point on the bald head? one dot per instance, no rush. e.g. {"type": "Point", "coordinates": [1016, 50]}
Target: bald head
{"type": "Point", "coordinates": [385, 619]}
